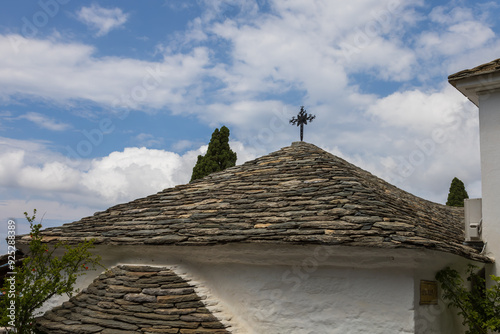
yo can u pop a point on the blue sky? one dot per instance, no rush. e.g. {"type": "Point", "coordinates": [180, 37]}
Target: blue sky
{"type": "Point", "coordinates": [102, 102]}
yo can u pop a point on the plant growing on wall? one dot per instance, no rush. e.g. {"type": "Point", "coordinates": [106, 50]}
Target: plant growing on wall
{"type": "Point", "coordinates": [41, 276]}
{"type": "Point", "coordinates": [219, 155]}
{"type": "Point", "coordinates": [478, 306]}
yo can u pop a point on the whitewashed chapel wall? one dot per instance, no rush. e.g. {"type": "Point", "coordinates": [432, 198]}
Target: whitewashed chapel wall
{"type": "Point", "coordinates": [305, 289]}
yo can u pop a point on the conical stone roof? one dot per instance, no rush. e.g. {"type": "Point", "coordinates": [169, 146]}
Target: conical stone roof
{"type": "Point", "coordinates": [300, 194]}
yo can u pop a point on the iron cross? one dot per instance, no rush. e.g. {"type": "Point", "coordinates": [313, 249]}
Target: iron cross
{"type": "Point", "coordinates": [302, 119]}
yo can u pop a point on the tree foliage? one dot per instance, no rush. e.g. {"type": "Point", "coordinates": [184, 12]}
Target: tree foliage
{"type": "Point", "coordinates": [457, 193]}
{"type": "Point", "coordinates": [42, 276]}
{"type": "Point", "coordinates": [219, 155]}
{"type": "Point", "coordinates": [478, 306]}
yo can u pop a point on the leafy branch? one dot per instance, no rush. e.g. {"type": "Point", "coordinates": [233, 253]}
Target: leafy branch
{"type": "Point", "coordinates": [478, 306]}
{"type": "Point", "coordinates": [42, 276]}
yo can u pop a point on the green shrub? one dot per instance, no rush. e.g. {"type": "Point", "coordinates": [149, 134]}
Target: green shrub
{"type": "Point", "coordinates": [478, 306]}
{"type": "Point", "coordinates": [42, 276]}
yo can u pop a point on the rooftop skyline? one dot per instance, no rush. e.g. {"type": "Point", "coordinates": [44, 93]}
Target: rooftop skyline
{"type": "Point", "coordinates": [105, 102]}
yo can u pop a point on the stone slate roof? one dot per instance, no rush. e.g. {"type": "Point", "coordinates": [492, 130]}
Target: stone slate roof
{"type": "Point", "coordinates": [133, 299]}
{"type": "Point", "coordinates": [300, 194]}
{"type": "Point", "coordinates": [493, 66]}
{"type": "Point", "coordinates": [475, 81]}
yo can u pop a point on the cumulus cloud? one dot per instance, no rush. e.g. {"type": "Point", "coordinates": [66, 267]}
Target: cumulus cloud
{"type": "Point", "coordinates": [52, 176]}
{"type": "Point", "coordinates": [34, 177]}
{"type": "Point", "coordinates": [96, 184]}
{"type": "Point", "coordinates": [138, 171]}
{"type": "Point", "coordinates": [117, 177]}
{"type": "Point", "coordinates": [102, 20]}
{"type": "Point", "coordinates": [433, 137]}
{"type": "Point", "coordinates": [418, 110]}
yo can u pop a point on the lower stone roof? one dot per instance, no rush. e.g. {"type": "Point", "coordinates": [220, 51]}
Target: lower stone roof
{"type": "Point", "coordinates": [492, 66]}
{"type": "Point", "coordinates": [300, 194]}
{"type": "Point", "coordinates": [133, 299]}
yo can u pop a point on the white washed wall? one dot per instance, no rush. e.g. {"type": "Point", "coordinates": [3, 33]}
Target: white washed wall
{"type": "Point", "coordinates": [489, 126]}
{"type": "Point", "coordinates": [328, 300]}
{"type": "Point", "coordinates": [305, 289]}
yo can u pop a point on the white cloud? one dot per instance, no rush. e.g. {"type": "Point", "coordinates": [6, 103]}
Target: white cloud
{"type": "Point", "coordinates": [45, 122]}
{"type": "Point", "coordinates": [136, 172]}
{"type": "Point", "coordinates": [118, 177]}
{"type": "Point", "coordinates": [52, 176]}
{"type": "Point", "coordinates": [31, 176]}
{"type": "Point", "coordinates": [49, 213]}
{"type": "Point", "coordinates": [67, 72]}
{"type": "Point", "coordinates": [243, 153]}
{"type": "Point", "coordinates": [240, 113]}
{"type": "Point", "coordinates": [385, 59]}
{"type": "Point", "coordinates": [445, 15]}
{"type": "Point", "coordinates": [458, 38]}
{"type": "Point", "coordinates": [182, 145]}
{"type": "Point", "coordinates": [432, 137]}
{"type": "Point", "coordinates": [292, 53]}
{"type": "Point", "coordinates": [103, 20]}
{"type": "Point", "coordinates": [148, 140]}
{"type": "Point", "coordinates": [49, 210]}
{"type": "Point", "coordinates": [426, 166]}
{"type": "Point", "coordinates": [10, 164]}
{"type": "Point", "coordinates": [292, 49]}
{"type": "Point", "coordinates": [277, 53]}
{"type": "Point", "coordinates": [417, 110]}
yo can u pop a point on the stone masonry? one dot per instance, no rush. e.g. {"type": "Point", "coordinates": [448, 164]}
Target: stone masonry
{"type": "Point", "coordinates": [133, 299]}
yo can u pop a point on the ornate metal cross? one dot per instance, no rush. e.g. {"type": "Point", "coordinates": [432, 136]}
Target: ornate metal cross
{"type": "Point", "coordinates": [302, 119]}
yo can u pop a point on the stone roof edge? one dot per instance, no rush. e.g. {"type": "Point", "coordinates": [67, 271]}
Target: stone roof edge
{"type": "Point", "coordinates": [486, 68]}
{"type": "Point", "coordinates": [374, 179]}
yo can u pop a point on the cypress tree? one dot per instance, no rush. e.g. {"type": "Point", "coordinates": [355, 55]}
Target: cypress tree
{"type": "Point", "coordinates": [219, 155]}
{"type": "Point", "coordinates": [457, 193]}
